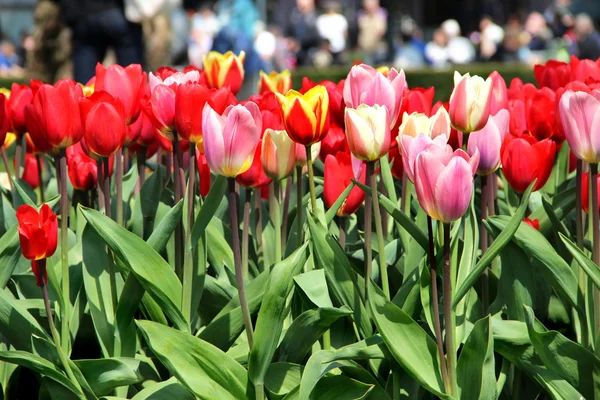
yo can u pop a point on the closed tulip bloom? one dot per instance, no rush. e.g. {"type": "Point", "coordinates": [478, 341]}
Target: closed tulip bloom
{"type": "Point", "coordinates": [30, 171]}
{"type": "Point", "coordinates": [20, 96]}
{"type": "Point", "coordinates": [488, 142]}
{"type": "Point", "coordinates": [337, 177]}
{"type": "Point", "coordinates": [412, 147]}
{"type": "Point", "coordinates": [300, 156]}
{"type": "Point", "coordinates": [417, 100]}
{"type": "Point", "coordinates": [230, 139]}
{"type": "Point", "coordinates": [224, 70]}
{"type": "Point", "coordinates": [366, 85]}
{"type": "Point", "coordinates": [57, 112]}
{"type": "Point", "coordinates": [584, 70]}
{"type": "Point", "coordinates": [499, 100]}
{"type": "Point", "coordinates": [439, 124]}
{"type": "Point", "coordinates": [580, 116]}
{"type": "Point", "coordinates": [368, 132]}
{"type": "Point", "coordinates": [305, 116]}
{"type": "Point", "coordinates": [159, 107]}
{"type": "Point", "coordinates": [585, 191]}
{"type": "Point", "coordinates": [554, 74]}
{"type": "Point", "coordinates": [147, 131]}
{"type": "Point", "coordinates": [38, 232]}
{"type": "Point", "coordinates": [4, 119]}
{"type": "Point", "coordinates": [203, 173]}
{"type": "Point", "coordinates": [559, 134]}
{"type": "Point", "coordinates": [83, 170]}
{"type": "Point", "coordinates": [104, 121]}
{"type": "Point", "coordinates": [470, 102]}
{"type": "Point", "coordinates": [36, 133]}
{"type": "Point", "coordinates": [414, 124]}
{"type": "Point", "coordinates": [126, 84]}
{"type": "Point", "coordinates": [525, 159]}
{"type": "Point", "coordinates": [335, 91]}
{"type": "Point", "coordinates": [277, 154]}
{"type": "Point", "coordinates": [276, 82]}
{"type": "Point", "coordinates": [255, 176]}
{"type": "Point", "coordinates": [444, 182]}
{"type": "Point", "coordinates": [334, 142]}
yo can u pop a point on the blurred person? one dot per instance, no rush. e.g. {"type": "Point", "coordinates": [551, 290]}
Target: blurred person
{"type": "Point", "coordinates": [9, 60]}
{"type": "Point", "coordinates": [158, 37]}
{"type": "Point", "coordinates": [49, 52]}
{"type": "Point", "coordinates": [180, 26]}
{"type": "Point", "coordinates": [302, 33]}
{"type": "Point", "coordinates": [491, 38]}
{"type": "Point", "coordinates": [460, 49]}
{"type": "Point", "coordinates": [436, 51]}
{"type": "Point", "coordinates": [372, 27]}
{"type": "Point", "coordinates": [333, 27]}
{"type": "Point", "coordinates": [588, 38]}
{"type": "Point", "coordinates": [411, 51]}
{"type": "Point", "coordinates": [559, 17]}
{"type": "Point", "coordinates": [26, 45]}
{"type": "Point", "coordinates": [265, 45]}
{"type": "Point", "coordinates": [539, 33]}
{"type": "Point", "coordinates": [97, 25]}
{"type": "Point", "coordinates": [205, 27]}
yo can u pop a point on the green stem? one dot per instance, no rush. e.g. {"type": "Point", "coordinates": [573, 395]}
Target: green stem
{"type": "Point", "coordinates": [246, 232]}
{"type": "Point", "coordinates": [596, 238]}
{"type": "Point", "coordinates": [259, 391]}
{"type": "Point", "coordinates": [286, 209]}
{"type": "Point", "coordinates": [368, 210]}
{"type": "Point", "coordinates": [448, 315]}
{"type": "Point", "coordinates": [342, 228]}
{"type": "Point", "coordinates": [119, 186]}
{"type": "Point", "coordinates": [485, 297]}
{"type": "Point", "coordinates": [299, 207]}
{"type": "Point", "coordinates": [141, 166]}
{"type": "Point", "coordinates": [231, 197]}
{"type": "Point", "coordinates": [39, 160]}
{"type": "Point", "coordinates": [99, 184]}
{"type": "Point", "coordinates": [108, 212]}
{"type": "Point", "coordinates": [578, 207]}
{"type": "Point", "coordinates": [379, 230]}
{"type": "Point", "coordinates": [178, 196]}
{"type": "Point", "coordinates": [405, 196]}
{"type": "Point", "coordinates": [311, 182]}
{"type": "Point", "coordinates": [275, 217]}
{"type": "Point", "coordinates": [7, 168]}
{"type": "Point", "coordinates": [258, 220]}
{"type": "Point", "coordinates": [188, 266]}
{"type": "Point", "coordinates": [64, 252]}
{"type": "Point", "coordinates": [18, 158]}
{"type": "Point", "coordinates": [55, 336]}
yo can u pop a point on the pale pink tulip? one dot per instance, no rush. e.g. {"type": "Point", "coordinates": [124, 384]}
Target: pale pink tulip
{"type": "Point", "coordinates": [499, 97]}
{"type": "Point", "coordinates": [444, 182]}
{"type": "Point", "coordinates": [412, 147]}
{"type": "Point", "coordinates": [366, 85]}
{"type": "Point", "coordinates": [580, 116]}
{"type": "Point", "coordinates": [368, 131]}
{"type": "Point", "coordinates": [277, 154]}
{"type": "Point", "coordinates": [470, 102]}
{"type": "Point", "coordinates": [439, 124]}
{"type": "Point", "coordinates": [178, 78]}
{"type": "Point", "coordinates": [488, 142]}
{"type": "Point", "coordinates": [230, 139]}
{"type": "Point", "coordinates": [414, 124]}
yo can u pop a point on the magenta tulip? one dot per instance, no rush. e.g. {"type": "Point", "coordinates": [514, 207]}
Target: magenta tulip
{"type": "Point", "coordinates": [580, 116]}
{"type": "Point", "coordinates": [488, 142]}
{"type": "Point", "coordinates": [444, 182]}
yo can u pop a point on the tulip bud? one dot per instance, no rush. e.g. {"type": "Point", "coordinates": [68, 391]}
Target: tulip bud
{"type": "Point", "coordinates": [305, 116]}
{"type": "Point", "coordinates": [368, 132]}
{"type": "Point", "coordinates": [224, 70]}
{"type": "Point", "coordinates": [580, 113]}
{"type": "Point", "coordinates": [20, 97]}
{"type": "Point", "coordinates": [488, 142]}
{"type": "Point", "coordinates": [444, 182]}
{"type": "Point", "coordinates": [276, 82]}
{"type": "Point", "coordinates": [524, 159]}
{"type": "Point", "coordinates": [413, 125]}
{"type": "Point", "coordinates": [230, 139]}
{"type": "Point", "coordinates": [277, 156]}
{"type": "Point", "coordinates": [104, 123]}
{"type": "Point", "coordinates": [36, 134]}
{"type": "Point", "coordinates": [337, 177]}
{"type": "Point", "coordinates": [334, 142]}
{"type": "Point", "coordinates": [83, 170]}
{"type": "Point", "coordinates": [470, 102]}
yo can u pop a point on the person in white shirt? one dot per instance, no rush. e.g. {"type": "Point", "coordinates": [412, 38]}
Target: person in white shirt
{"type": "Point", "coordinates": [333, 27]}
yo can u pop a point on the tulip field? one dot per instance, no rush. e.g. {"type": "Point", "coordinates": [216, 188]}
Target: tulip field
{"type": "Point", "coordinates": [161, 238]}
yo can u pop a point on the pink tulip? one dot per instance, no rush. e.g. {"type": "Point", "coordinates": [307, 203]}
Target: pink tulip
{"type": "Point", "coordinates": [368, 132]}
{"type": "Point", "coordinates": [488, 142]}
{"type": "Point", "coordinates": [444, 182]}
{"type": "Point", "coordinates": [580, 116]}
{"type": "Point", "coordinates": [470, 102]}
{"type": "Point", "coordinates": [499, 98]}
{"type": "Point", "coordinates": [230, 139]}
{"type": "Point", "coordinates": [412, 147]}
{"type": "Point", "coordinates": [178, 78]}
{"type": "Point", "coordinates": [366, 85]}
{"type": "Point", "coordinates": [277, 154]}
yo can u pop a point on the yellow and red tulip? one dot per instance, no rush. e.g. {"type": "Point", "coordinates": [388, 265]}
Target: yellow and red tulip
{"type": "Point", "coordinates": [224, 70]}
{"type": "Point", "coordinates": [306, 116]}
{"type": "Point", "coordinates": [276, 82]}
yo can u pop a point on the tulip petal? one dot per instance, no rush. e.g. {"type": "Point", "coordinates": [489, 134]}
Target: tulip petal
{"type": "Point", "coordinates": [214, 147]}
{"type": "Point", "coordinates": [453, 190]}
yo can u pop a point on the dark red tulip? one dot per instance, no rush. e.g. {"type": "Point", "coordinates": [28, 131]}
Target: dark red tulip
{"type": "Point", "coordinates": [554, 74]}
{"type": "Point", "coordinates": [83, 170]}
{"type": "Point", "coordinates": [126, 84]}
{"type": "Point", "coordinates": [334, 142]}
{"type": "Point", "coordinates": [524, 159]}
{"type": "Point", "coordinates": [338, 176]}
{"type": "Point", "coordinates": [20, 97]}
{"type": "Point", "coordinates": [104, 122]}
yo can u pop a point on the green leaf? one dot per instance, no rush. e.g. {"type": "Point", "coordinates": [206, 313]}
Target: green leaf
{"type": "Point", "coordinates": [10, 255]}
{"type": "Point", "coordinates": [517, 281]}
{"type": "Point", "coordinates": [160, 236]}
{"type": "Point", "coordinates": [25, 195]}
{"type": "Point", "coordinates": [306, 329]}
{"type": "Point", "coordinates": [41, 366]}
{"type": "Point", "coordinates": [341, 387]}
{"type": "Point", "coordinates": [476, 369]}
{"type": "Point", "coordinates": [588, 265]}
{"type": "Point", "coordinates": [209, 207]}
{"type": "Point", "coordinates": [574, 363]}
{"type": "Point", "coordinates": [331, 213]}
{"type": "Point", "coordinates": [503, 238]}
{"type": "Point", "coordinates": [315, 368]}
{"type": "Point", "coordinates": [269, 323]}
{"type": "Point", "coordinates": [467, 262]}
{"type": "Point", "coordinates": [151, 270]}
{"type": "Point", "coordinates": [372, 348]}
{"type": "Point", "coordinates": [202, 368]}
{"type": "Point", "coordinates": [411, 346]}
{"type": "Point", "coordinates": [106, 374]}
{"type": "Point", "coordinates": [17, 325]}
{"type": "Point", "coordinates": [314, 286]}
{"type": "Point", "coordinates": [170, 389]}
{"type": "Point", "coordinates": [282, 378]}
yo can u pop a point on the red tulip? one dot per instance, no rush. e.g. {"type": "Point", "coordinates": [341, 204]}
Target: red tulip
{"type": "Point", "coordinates": [534, 223]}
{"type": "Point", "coordinates": [204, 173]}
{"type": "Point", "coordinates": [584, 70]}
{"type": "Point", "coordinates": [20, 96]}
{"type": "Point", "coordinates": [30, 171]}
{"type": "Point", "coordinates": [255, 176]}
{"type": "Point", "coordinates": [83, 170]}
{"type": "Point", "coordinates": [335, 91]}
{"type": "Point", "coordinates": [36, 133]}
{"type": "Point", "coordinates": [266, 102]}
{"type": "Point", "coordinates": [334, 142]}
{"type": "Point", "coordinates": [533, 111]}
{"type": "Point", "coordinates": [395, 156]}
{"type": "Point", "coordinates": [554, 74]}
{"type": "Point", "coordinates": [104, 122]}
{"type": "Point", "coordinates": [57, 112]}
{"type": "Point", "coordinates": [338, 176]}
{"type": "Point", "coordinates": [4, 119]}
{"type": "Point", "coordinates": [524, 159]}
{"type": "Point", "coordinates": [417, 100]}
{"type": "Point", "coordinates": [126, 84]}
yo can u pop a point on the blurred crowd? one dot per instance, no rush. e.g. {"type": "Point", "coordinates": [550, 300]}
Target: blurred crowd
{"type": "Point", "coordinates": [70, 36]}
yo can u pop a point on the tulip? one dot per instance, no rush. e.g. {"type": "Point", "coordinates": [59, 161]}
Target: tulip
{"type": "Point", "coordinates": [172, 79]}
{"type": "Point", "coordinates": [334, 142]}
{"type": "Point", "coordinates": [488, 142]}
{"type": "Point", "coordinates": [30, 171]}
{"type": "Point", "coordinates": [554, 74]}
{"type": "Point", "coordinates": [267, 102]}
{"type": "Point", "coordinates": [580, 113]}
{"type": "Point", "coordinates": [36, 133]}
{"type": "Point", "coordinates": [164, 72]}
{"type": "Point", "coordinates": [83, 170]}
{"type": "Point", "coordinates": [525, 159]}
{"type": "Point", "coordinates": [533, 111]}
{"type": "Point", "coordinates": [255, 176]}
{"type": "Point", "coordinates": [300, 156]}
{"type": "Point", "coordinates": [56, 113]}
{"type": "Point", "coordinates": [584, 70]}
{"type": "Point", "coordinates": [417, 100]}
{"type": "Point", "coordinates": [230, 139]}
{"type": "Point", "coordinates": [585, 191]}
{"type": "Point", "coordinates": [499, 99]}
{"type": "Point", "coordinates": [337, 177]}
{"type": "Point", "coordinates": [368, 131]}
{"type": "Point", "coordinates": [559, 134]}
{"type": "Point", "coordinates": [104, 122]}
{"type": "Point", "coordinates": [277, 154]}
{"type": "Point", "coordinates": [413, 125]}
{"type": "Point", "coordinates": [4, 119]}
{"type": "Point", "coordinates": [366, 85]}
{"type": "Point", "coordinates": [412, 147]}
{"type": "Point", "coordinates": [455, 138]}
{"type": "Point", "coordinates": [470, 102]}
{"type": "Point", "coordinates": [276, 82]}
{"type": "Point", "coordinates": [20, 97]}
{"type": "Point", "coordinates": [305, 116]}
{"type": "Point", "coordinates": [224, 70]}
{"type": "Point", "coordinates": [534, 223]}
{"type": "Point", "coordinates": [126, 84]}
{"type": "Point", "coordinates": [335, 91]}
{"type": "Point", "coordinates": [444, 182]}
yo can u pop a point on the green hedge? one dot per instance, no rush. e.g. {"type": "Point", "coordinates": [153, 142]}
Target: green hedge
{"type": "Point", "coordinates": [442, 80]}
